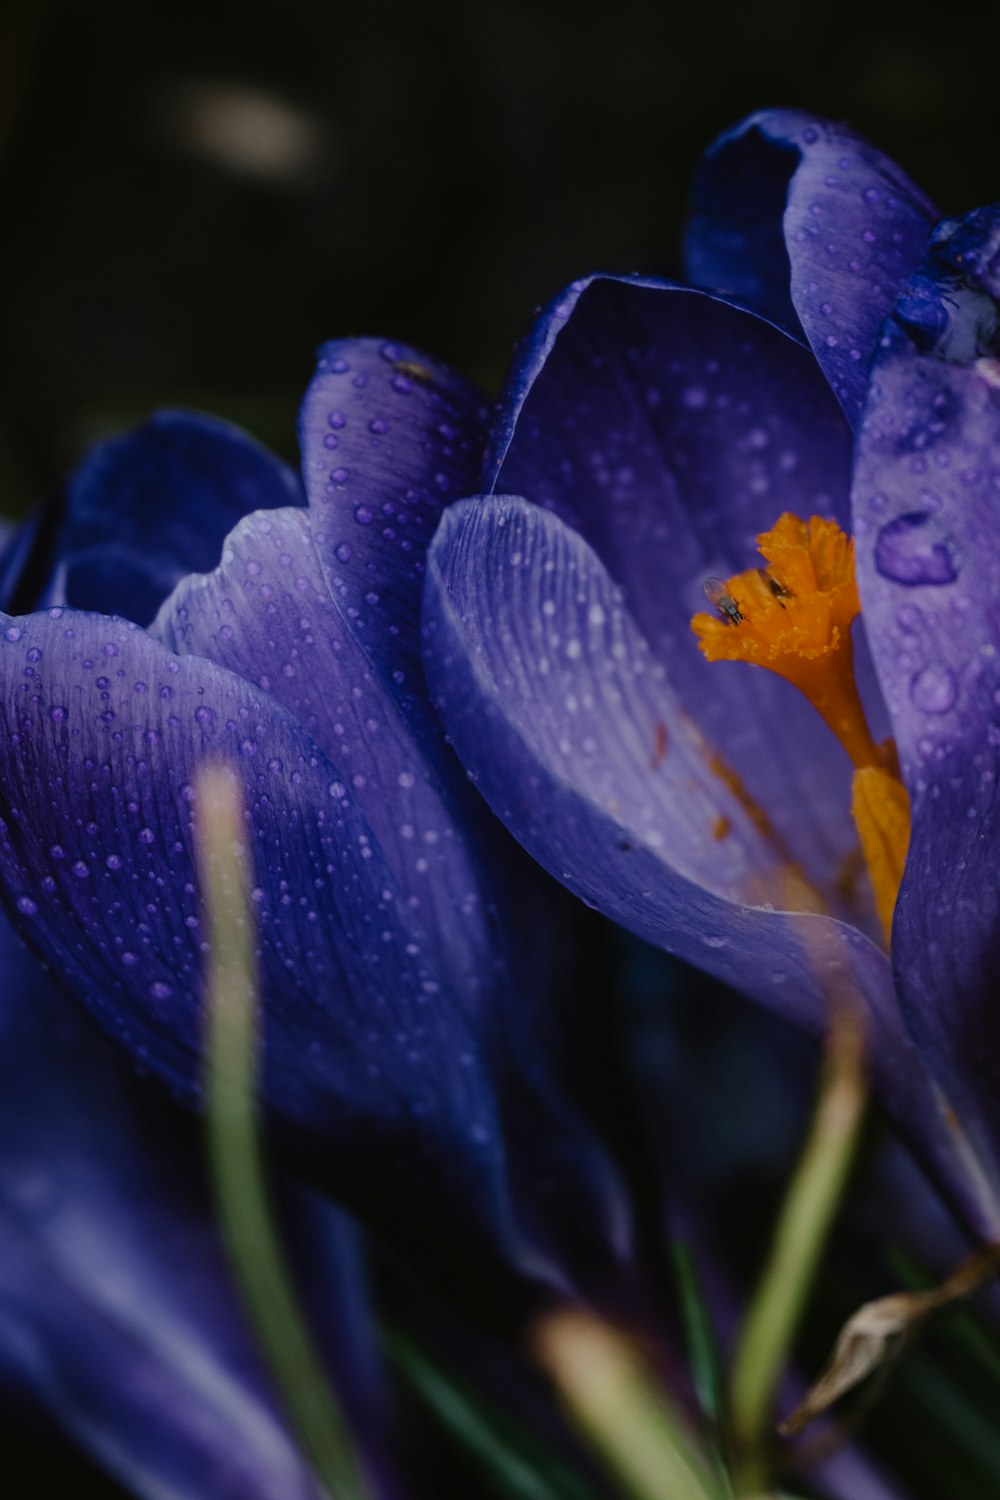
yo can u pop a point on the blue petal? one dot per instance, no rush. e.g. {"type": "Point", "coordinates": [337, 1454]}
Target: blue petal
{"type": "Point", "coordinates": [142, 510]}
{"type": "Point", "coordinates": [267, 614]}
{"type": "Point", "coordinates": [120, 1323]}
{"type": "Point", "coordinates": [926, 490]}
{"type": "Point", "coordinates": [810, 224]}
{"type": "Point", "coordinates": [670, 429]}
{"type": "Point", "coordinates": [102, 735]}
{"type": "Point", "coordinates": [388, 438]}
{"type": "Point", "coordinates": [552, 700]}
{"type": "Point", "coordinates": [381, 1065]}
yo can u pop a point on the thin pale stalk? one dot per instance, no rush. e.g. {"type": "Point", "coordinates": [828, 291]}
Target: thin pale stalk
{"type": "Point", "coordinates": [804, 1222]}
{"type": "Point", "coordinates": [235, 1152]}
{"type": "Point", "coordinates": [620, 1410]}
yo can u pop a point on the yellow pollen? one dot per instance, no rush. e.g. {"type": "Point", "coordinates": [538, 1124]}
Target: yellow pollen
{"type": "Point", "coordinates": [794, 618]}
{"type": "Point", "coordinates": [881, 810]}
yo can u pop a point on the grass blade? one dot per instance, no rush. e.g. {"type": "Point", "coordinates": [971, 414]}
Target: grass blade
{"type": "Point", "coordinates": [235, 1152]}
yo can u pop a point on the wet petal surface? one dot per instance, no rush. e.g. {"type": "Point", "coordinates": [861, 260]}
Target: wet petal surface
{"type": "Point", "coordinates": [553, 705]}
{"type": "Point", "coordinates": [926, 495]}
{"type": "Point", "coordinates": [388, 437]}
{"type": "Point", "coordinates": [103, 732]}
{"type": "Point", "coordinates": [807, 222]}
{"type": "Point", "coordinates": [267, 614]}
{"type": "Point", "coordinates": [671, 429]}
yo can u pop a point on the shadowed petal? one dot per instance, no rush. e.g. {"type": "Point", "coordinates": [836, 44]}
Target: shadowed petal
{"type": "Point", "coordinates": [120, 1323]}
{"type": "Point", "coordinates": [810, 224]}
{"type": "Point", "coordinates": [926, 500]}
{"type": "Point", "coordinates": [381, 1062]}
{"type": "Point", "coordinates": [670, 429]}
{"type": "Point", "coordinates": [103, 732]}
{"type": "Point", "coordinates": [553, 703]}
{"type": "Point", "coordinates": [388, 438]}
{"type": "Point", "coordinates": [142, 510]}
{"type": "Point", "coordinates": [266, 614]}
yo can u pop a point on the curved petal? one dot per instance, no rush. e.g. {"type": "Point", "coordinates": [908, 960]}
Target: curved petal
{"type": "Point", "coordinates": [810, 224]}
{"type": "Point", "coordinates": [551, 699]}
{"type": "Point", "coordinates": [102, 735]}
{"type": "Point", "coordinates": [670, 429]}
{"type": "Point", "coordinates": [120, 1323]}
{"type": "Point", "coordinates": [267, 615]}
{"type": "Point", "coordinates": [381, 1064]}
{"type": "Point", "coordinates": [388, 438]}
{"type": "Point", "coordinates": [142, 510]}
{"type": "Point", "coordinates": [926, 492]}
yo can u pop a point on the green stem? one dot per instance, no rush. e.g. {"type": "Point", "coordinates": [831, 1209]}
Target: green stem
{"type": "Point", "coordinates": [803, 1225]}
{"type": "Point", "coordinates": [620, 1410]}
{"type": "Point", "coordinates": [235, 1152]}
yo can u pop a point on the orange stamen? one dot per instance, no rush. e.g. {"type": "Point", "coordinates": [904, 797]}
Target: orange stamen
{"type": "Point", "coordinates": [795, 619]}
{"type": "Point", "coordinates": [881, 810]}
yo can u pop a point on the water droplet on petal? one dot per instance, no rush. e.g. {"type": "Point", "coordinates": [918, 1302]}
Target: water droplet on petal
{"type": "Point", "coordinates": [934, 690]}
{"type": "Point", "coordinates": [907, 553]}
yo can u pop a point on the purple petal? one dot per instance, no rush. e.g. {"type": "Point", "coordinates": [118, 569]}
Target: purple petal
{"type": "Point", "coordinates": [142, 510]}
{"type": "Point", "coordinates": [807, 222]}
{"type": "Point", "coordinates": [552, 701]}
{"type": "Point", "coordinates": [926, 492]}
{"type": "Point", "coordinates": [381, 1064]}
{"type": "Point", "coordinates": [267, 614]}
{"type": "Point", "coordinates": [120, 1322]}
{"type": "Point", "coordinates": [388, 438]}
{"type": "Point", "coordinates": [670, 429]}
{"type": "Point", "coordinates": [103, 732]}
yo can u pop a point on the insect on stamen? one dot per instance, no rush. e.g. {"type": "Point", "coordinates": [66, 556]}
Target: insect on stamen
{"type": "Point", "coordinates": [722, 599]}
{"type": "Point", "coordinates": [777, 588]}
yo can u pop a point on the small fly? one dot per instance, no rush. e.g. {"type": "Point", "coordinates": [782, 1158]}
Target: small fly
{"type": "Point", "coordinates": [778, 590]}
{"type": "Point", "coordinates": [720, 596]}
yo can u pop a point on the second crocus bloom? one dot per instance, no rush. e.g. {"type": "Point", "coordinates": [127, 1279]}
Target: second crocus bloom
{"type": "Point", "coordinates": [651, 435]}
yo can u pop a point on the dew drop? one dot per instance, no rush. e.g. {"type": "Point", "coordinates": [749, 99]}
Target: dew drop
{"type": "Point", "coordinates": [934, 690]}
{"type": "Point", "coordinates": [906, 553]}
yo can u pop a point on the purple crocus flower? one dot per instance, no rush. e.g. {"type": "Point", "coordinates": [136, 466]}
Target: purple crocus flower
{"type": "Point", "coordinates": [121, 1326]}
{"type": "Point", "coordinates": [413, 1043]}
{"type": "Point", "coordinates": [649, 434]}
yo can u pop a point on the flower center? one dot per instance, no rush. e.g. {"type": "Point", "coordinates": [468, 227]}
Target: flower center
{"type": "Point", "coordinates": [794, 617]}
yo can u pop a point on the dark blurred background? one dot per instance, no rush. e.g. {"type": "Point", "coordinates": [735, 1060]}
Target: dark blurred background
{"type": "Point", "coordinates": [196, 194]}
